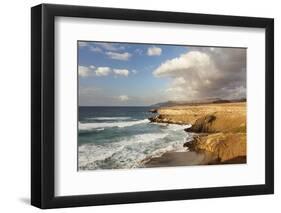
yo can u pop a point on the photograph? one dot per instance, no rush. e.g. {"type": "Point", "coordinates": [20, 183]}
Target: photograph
{"type": "Point", "coordinates": [133, 105]}
{"type": "Point", "coordinates": [160, 105]}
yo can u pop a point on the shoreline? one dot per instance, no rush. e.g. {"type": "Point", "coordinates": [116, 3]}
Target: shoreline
{"type": "Point", "coordinates": [186, 158]}
{"type": "Point", "coordinates": [220, 138]}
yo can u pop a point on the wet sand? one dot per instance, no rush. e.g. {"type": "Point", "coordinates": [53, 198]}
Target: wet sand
{"type": "Point", "coordinates": [181, 159]}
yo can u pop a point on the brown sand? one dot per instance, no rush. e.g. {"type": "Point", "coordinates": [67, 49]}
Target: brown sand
{"type": "Point", "coordinates": [181, 159]}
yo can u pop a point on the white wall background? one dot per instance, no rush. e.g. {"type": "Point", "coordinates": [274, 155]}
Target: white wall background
{"type": "Point", "coordinates": [15, 105]}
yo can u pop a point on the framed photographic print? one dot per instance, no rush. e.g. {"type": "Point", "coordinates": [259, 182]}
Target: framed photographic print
{"type": "Point", "coordinates": [139, 106]}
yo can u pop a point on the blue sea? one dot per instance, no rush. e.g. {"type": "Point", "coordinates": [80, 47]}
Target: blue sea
{"type": "Point", "coordinates": [123, 137]}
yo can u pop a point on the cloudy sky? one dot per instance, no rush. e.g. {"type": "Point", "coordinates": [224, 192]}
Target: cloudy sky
{"type": "Point", "coordinates": [123, 74]}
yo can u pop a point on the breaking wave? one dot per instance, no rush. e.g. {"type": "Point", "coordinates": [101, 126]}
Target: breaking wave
{"type": "Point", "coordinates": [91, 126]}
{"type": "Point", "coordinates": [130, 152]}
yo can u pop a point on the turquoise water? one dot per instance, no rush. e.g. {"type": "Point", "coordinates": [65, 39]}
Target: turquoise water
{"type": "Point", "coordinates": [123, 137]}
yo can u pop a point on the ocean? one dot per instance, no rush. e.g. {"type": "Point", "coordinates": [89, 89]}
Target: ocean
{"type": "Point", "coordinates": [123, 137]}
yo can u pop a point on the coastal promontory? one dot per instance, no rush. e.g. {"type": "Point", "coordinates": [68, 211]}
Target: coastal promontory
{"type": "Point", "coordinates": [218, 129]}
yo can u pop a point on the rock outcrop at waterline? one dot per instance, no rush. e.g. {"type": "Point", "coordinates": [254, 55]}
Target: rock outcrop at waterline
{"type": "Point", "coordinates": [226, 146]}
{"type": "Point", "coordinates": [153, 110]}
{"type": "Point", "coordinates": [162, 119]}
{"type": "Point", "coordinates": [224, 126]}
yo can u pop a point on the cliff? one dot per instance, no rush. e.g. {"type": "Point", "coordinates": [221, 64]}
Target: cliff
{"type": "Point", "coordinates": [224, 125]}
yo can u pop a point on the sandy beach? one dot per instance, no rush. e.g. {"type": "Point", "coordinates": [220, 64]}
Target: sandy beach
{"type": "Point", "coordinates": [182, 159]}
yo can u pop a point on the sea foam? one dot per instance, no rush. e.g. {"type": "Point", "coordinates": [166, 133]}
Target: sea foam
{"type": "Point", "coordinates": [108, 118]}
{"type": "Point", "coordinates": [91, 126]}
{"type": "Point", "coordinates": [130, 152]}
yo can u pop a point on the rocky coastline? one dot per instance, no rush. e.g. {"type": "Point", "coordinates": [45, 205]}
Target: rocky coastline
{"type": "Point", "coordinates": [219, 133]}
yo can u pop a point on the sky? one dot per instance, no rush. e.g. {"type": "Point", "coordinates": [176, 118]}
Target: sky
{"type": "Point", "coordinates": [130, 74]}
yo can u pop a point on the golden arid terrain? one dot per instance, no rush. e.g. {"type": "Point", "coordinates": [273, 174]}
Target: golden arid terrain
{"type": "Point", "coordinates": [219, 129]}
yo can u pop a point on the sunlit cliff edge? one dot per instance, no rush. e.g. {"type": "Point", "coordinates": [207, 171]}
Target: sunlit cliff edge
{"type": "Point", "coordinates": [220, 128]}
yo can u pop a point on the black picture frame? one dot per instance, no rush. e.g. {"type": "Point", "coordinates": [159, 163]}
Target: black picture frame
{"type": "Point", "coordinates": [43, 102]}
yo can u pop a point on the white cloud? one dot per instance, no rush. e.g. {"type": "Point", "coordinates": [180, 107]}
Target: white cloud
{"type": "Point", "coordinates": [82, 44]}
{"type": "Point", "coordinates": [86, 71]}
{"type": "Point", "coordinates": [100, 46]}
{"type": "Point", "coordinates": [111, 46]}
{"type": "Point", "coordinates": [174, 89]}
{"type": "Point", "coordinates": [184, 64]}
{"type": "Point", "coordinates": [122, 72]}
{"type": "Point", "coordinates": [154, 51]}
{"type": "Point", "coordinates": [95, 49]}
{"type": "Point", "coordinates": [107, 46]}
{"type": "Point", "coordinates": [119, 56]}
{"type": "Point", "coordinates": [134, 71]}
{"type": "Point", "coordinates": [205, 72]}
{"type": "Point", "coordinates": [102, 71]}
{"type": "Point", "coordinates": [123, 98]}
{"type": "Point", "coordinates": [178, 81]}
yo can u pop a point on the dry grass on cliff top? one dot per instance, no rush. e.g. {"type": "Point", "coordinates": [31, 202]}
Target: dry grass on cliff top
{"type": "Point", "coordinates": [229, 117]}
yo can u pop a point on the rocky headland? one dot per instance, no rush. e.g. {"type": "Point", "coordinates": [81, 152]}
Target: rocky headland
{"type": "Point", "coordinates": [219, 132]}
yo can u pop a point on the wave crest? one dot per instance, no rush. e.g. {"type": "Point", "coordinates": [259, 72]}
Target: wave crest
{"type": "Point", "coordinates": [91, 126]}
{"type": "Point", "coordinates": [108, 118]}
{"type": "Point", "coordinates": [128, 152]}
